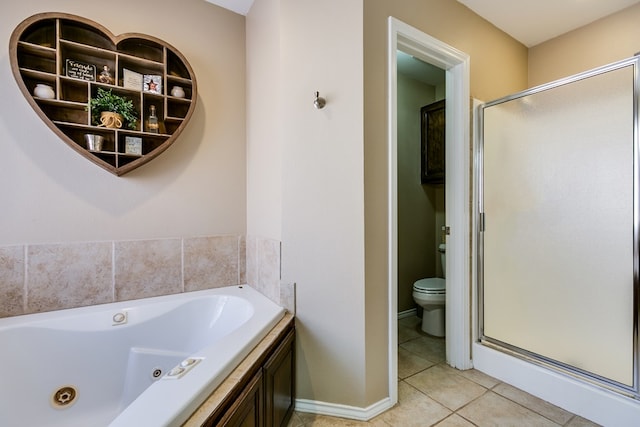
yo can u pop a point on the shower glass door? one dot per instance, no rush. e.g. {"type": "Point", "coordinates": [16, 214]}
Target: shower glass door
{"type": "Point", "coordinates": [558, 217]}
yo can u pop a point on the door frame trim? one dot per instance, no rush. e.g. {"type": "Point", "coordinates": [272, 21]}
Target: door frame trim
{"type": "Point", "coordinates": [457, 191]}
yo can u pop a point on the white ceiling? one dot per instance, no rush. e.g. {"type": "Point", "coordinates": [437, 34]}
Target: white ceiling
{"type": "Point", "coordinates": [529, 21]}
{"type": "Point", "coordinates": [534, 21]}
{"type": "Point", "coordinates": [238, 6]}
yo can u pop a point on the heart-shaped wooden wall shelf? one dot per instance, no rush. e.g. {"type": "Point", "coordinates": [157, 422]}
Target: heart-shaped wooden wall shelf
{"type": "Point", "coordinates": [68, 54]}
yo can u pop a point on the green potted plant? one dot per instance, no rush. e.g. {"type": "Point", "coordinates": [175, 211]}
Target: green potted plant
{"type": "Point", "coordinates": [111, 110]}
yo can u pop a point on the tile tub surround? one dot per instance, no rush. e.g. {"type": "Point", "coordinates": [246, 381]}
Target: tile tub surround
{"type": "Point", "coordinates": [263, 265]}
{"type": "Point", "coordinates": [147, 268]}
{"type": "Point", "coordinates": [11, 281]}
{"type": "Point", "coordinates": [64, 276]}
{"type": "Point", "coordinates": [45, 277]}
{"type": "Point", "coordinates": [212, 260]}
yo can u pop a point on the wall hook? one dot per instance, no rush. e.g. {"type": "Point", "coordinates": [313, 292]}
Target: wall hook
{"type": "Point", "coordinates": [319, 102]}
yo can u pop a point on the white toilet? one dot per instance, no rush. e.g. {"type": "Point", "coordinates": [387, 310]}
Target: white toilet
{"type": "Point", "coordinates": [430, 294]}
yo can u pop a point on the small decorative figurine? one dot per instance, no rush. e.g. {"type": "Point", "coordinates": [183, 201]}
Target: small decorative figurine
{"type": "Point", "coordinates": [105, 76]}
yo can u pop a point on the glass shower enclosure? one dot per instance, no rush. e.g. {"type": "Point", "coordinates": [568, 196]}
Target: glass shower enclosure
{"type": "Point", "coordinates": [558, 225]}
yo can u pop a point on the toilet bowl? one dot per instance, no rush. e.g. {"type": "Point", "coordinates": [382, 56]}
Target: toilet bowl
{"type": "Point", "coordinates": [430, 294]}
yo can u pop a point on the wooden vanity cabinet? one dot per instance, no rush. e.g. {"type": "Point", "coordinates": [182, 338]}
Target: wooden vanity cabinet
{"type": "Point", "coordinates": [265, 397]}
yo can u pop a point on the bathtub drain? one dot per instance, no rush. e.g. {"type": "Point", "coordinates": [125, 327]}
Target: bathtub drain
{"type": "Point", "coordinates": [64, 396]}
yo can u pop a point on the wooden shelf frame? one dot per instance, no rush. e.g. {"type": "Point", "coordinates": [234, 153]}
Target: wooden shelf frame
{"type": "Point", "coordinates": [39, 49]}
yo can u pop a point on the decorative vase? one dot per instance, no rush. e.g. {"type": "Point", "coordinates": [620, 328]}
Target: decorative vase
{"type": "Point", "coordinates": [94, 142]}
{"type": "Point", "coordinates": [111, 120]}
{"type": "Point", "coordinates": [177, 91]}
{"type": "Point", "coordinates": [44, 91]}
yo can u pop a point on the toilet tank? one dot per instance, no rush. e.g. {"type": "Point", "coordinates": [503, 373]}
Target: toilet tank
{"type": "Point", "coordinates": [443, 258]}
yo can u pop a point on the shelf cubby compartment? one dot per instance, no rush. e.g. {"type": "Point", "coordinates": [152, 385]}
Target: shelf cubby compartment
{"type": "Point", "coordinates": [107, 160]}
{"type": "Point", "coordinates": [176, 67]}
{"type": "Point", "coordinates": [143, 49]}
{"type": "Point", "coordinates": [74, 90]}
{"type": "Point", "coordinates": [41, 33]}
{"type": "Point", "coordinates": [63, 111]}
{"type": "Point", "coordinates": [32, 78]}
{"type": "Point", "coordinates": [172, 125]}
{"type": "Point", "coordinates": [142, 66]}
{"type": "Point", "coordinates": [37, 58]}
{"type": "Point", "coordinates": [128, 94]}
{"type": "Point", "coordinates": [90, 34]}
{"type": "Point", "coordinates": [150, 99]}
{"type": "Point", "coordinates": [150, 142]}
{"type": "Point", "coordinates": [40, 76]}
{"type": "Point", "coordinates": [84, 54]}
{"type": "Point", "coordinates": [178, 108]}
{"type": "Point", "coordinates": [185, 84]}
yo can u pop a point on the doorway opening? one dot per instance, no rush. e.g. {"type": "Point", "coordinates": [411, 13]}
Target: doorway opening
{"type": "Point", "coordinates": [413, 42]}
{"type": "Point", "coordinates": [421, 184]}
{"type": "Point", "coordinates": [421, 205]}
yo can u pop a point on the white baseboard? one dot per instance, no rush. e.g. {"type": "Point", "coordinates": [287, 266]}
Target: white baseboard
{"type": "Point", "coordinates": [589, 401]}
{"type": "Point", "coordinates": [407, 313]}
{"type": "Point", "coordinates": [343, 411]}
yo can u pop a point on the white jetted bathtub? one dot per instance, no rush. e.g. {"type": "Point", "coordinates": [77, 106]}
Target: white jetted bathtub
{"type": "Point", "coordinates": [148, 362]}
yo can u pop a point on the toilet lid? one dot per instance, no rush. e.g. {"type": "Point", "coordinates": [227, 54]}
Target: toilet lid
{"type": "Point", "coordinates": [431, 285]}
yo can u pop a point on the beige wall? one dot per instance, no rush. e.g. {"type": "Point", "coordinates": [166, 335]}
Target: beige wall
{"type": "Point", "coordinates": [264, 120]}
{"type": "Point", "coordinates": [299, 47]}
{"type": "Point", "coordinates": [195, 188]}
{"type": "Point", "coordinates": [323, 214]}
{"type": "Point", "coordinates": [610, 39]}
{"type": "Point", "coordinates": [417, 202]}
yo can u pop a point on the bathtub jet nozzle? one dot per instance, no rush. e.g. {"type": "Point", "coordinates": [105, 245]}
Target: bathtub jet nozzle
{"type": "Point", "coordinates": [64, 397]}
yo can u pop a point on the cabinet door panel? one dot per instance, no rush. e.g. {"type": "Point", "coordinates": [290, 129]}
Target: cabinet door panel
{"type": "Point", "coordinates": [247, 410]}
{"type": "Point", "coordinates": [280, 384]}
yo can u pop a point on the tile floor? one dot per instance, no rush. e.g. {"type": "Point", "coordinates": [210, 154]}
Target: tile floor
{"type": "Point", "coordinates": [430, 393]}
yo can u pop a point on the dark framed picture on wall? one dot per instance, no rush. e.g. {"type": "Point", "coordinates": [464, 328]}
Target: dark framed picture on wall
{"type": "Point", "coordinates": [432, 120]}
